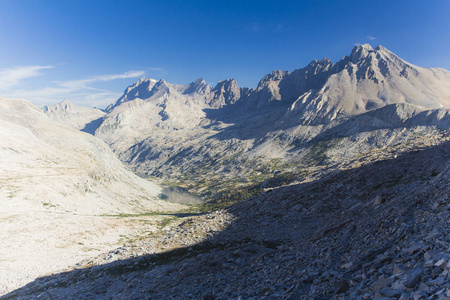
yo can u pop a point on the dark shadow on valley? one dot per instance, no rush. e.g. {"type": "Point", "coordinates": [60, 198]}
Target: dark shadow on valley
{"type": "Point", "coordinates": [92, 126]}
{"type": "Point", "coordinates": [258, 124]}
{"type": "Point", "coordinates": [282, 227]}
{"type": "Point", "coordinates": [247, 124]}
{"type": "Point", "coordinates": [382, 118]}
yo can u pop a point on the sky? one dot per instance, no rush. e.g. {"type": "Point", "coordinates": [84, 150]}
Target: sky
{"type": "Point", "coordinates": [89, 51]}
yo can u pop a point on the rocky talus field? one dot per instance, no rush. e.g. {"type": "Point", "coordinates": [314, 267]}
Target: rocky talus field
{"type": "Point", "coordinates": [328, 182]}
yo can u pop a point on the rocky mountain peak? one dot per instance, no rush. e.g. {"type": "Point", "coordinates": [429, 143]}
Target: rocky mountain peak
{"type": "Point", "coordinates": [316, 67]}
{"type": "Point", "coordinates": [274, 76]}
{"type": "Point", "coordinates": [225, 92]}
{"type": "Point", "coordinates": [360, 52]}
{"type": "Point", "coordinates": [64, 105]}
{"type": "Point", "coordinates": [226, 84]}
{"type": "Point", "coordinates": [198, 86]}
{"type": "Point", "coordinates": [141, 89]}
{"type": "Point", "coordinates": [199, 81]}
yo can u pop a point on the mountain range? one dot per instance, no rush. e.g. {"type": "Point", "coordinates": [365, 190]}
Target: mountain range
{"type": "Point", "coordinates": [212, 138]}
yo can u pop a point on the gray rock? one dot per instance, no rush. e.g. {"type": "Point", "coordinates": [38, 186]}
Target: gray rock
{"type": "Point", "coordinates": [387, 292]}
{"type": "Point", "coordinates": [413, 277]}
{"type": "Point", "coordinates": [379, 284]}
{"type": "Point", "coordinates": [341, 286]}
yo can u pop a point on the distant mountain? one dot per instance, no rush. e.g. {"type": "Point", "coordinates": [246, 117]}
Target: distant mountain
{"type": "Point", "coordinates": [197, 133]}
{"type": "Point", "coordinates": [79, 117]}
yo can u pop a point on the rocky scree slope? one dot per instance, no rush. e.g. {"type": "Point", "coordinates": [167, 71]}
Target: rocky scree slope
{"type": "Point", "coordinates": [216, 139]}
{"type": "Point", "coordinates": [374, 227]}
{"type": "Point", "coordinates": [59, 191]}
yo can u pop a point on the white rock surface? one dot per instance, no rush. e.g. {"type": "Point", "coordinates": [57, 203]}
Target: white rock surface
{"type": "Point", "coordinates": [73, 115]}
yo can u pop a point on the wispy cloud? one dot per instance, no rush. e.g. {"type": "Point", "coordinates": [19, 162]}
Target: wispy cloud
{"type": "Point", "coordinates": [160, 71]}
{"type": "Point", "coordinates": [13, 76]}
{"type": "Point", "coordinates": [81, 91]}
{"type": "Point", "coordinates": [371, 37]}
{"type": "Point", "coordinates": [84, 83]}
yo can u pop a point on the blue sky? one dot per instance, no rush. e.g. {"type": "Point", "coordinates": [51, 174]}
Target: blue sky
{"type": "Point", "coordinates": [89, 51]}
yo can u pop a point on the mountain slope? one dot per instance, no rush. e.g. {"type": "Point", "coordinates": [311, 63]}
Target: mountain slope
{"type": "Point", "coordinates": [57, 187]}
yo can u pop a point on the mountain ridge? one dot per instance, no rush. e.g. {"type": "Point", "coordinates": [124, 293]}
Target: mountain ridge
{"type": "Point", "coordinates": [208, 137]}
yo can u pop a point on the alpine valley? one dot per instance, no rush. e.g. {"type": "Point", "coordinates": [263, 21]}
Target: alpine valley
{"type": "Point", "coordinates": [330, 181]}
{"type": "Point", "coordinates": [225, 142]}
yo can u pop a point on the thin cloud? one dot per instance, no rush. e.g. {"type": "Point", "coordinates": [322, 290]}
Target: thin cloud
{"type": "Point", "coordinates": [84, 83]}
{"type": "Point", "coordinates": [371, 37]}
{"type": "Point", "coordinates": [82, 91]}
{"type": "Point", "coordinates": [130, 74]}
{"type": "Point", "coordinates": [13, 76]}
{"type": "Point", "coordinates": [160, 71]}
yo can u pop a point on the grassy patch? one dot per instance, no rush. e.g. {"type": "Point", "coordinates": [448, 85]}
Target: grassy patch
{"type": "Point", "coordinates": [167, 221]}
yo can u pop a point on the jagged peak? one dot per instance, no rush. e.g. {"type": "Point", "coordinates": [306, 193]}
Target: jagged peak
{"type": "Point", "coordinates": [199, 81]}
{"type": "Point", "coordinates": [65, 102]}
{"type": "Point", "coordinates": [324, 60]}
{"type": "Point", "coordinates": [365, 46]}
{"type": "Point", "coordinates": [198, 86]}
{"type": "Point", "coordinates": [380, 48]}
{"type": "Point", "coordinates": [276, 75]}
{"type": "Point", "coordinates": [63, 105]}
{"type": "Point", "coordinates": [316, 63]}
{"type": "Point", "coordinates": [141, 81]}
{"type": "Point", "coordinates": [360, 52]}
{"type": "Point", "coordinates": [227, 81]}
